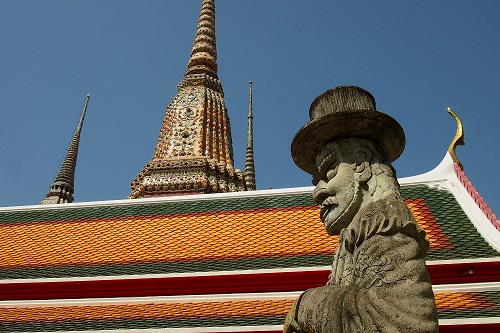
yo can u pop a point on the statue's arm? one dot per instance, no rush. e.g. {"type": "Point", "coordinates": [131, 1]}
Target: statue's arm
{"type": "Point", "coordinates": [312, 311]}
{"type": "Point", "coordinates": [390, 292]}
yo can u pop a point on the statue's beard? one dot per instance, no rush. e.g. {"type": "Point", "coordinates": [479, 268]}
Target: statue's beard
{"type": "Point", "coordinates": [343, 220]}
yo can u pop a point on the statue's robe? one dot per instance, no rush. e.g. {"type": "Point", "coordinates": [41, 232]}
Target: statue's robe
{"type": "Point", "coordinates": [379, 281]}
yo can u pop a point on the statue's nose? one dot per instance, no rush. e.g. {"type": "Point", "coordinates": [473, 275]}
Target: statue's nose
{"type": "Point", "coordinates": [320, 193]}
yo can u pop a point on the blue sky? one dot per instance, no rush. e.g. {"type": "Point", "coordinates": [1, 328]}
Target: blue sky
{"type": "Point", "coordinates": [417, 58]}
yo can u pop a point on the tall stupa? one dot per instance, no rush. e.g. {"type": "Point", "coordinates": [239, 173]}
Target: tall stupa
{"type": "Point", "coordinates": [194, 152]}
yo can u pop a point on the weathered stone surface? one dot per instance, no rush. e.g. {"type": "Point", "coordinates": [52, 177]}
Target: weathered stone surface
{"type": "Point", "coordinates": [379, 281]}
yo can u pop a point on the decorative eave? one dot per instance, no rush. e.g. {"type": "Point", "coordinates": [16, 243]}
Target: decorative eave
{"type": "Point", "coordinates": [449, 175]}
{"type": "Point", "coordinates": [459, 172]}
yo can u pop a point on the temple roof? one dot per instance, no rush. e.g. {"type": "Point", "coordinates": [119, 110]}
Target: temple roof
{"type": "Point", "coordinates": [258, 230]}
{"type": "Point", "coordinates": [271, 229]}
{"type": "Point", "coordinates": [223, 261]}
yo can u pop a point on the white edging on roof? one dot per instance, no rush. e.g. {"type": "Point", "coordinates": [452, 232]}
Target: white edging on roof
{"type": "Point", "coordinates": [461, 261]}
{"type": "Point", "coordinates": [436, 178]}
{"type": "Point", "coordinates": [153, 299]}
{"type": "Point", "coordinates": [467, 287]}
{"type": "Point", "coordinates": [469, 321]}
{"type": "Point", "coordinates": [174, 198]}
{"type": "Point", "coordinates": [171, 275]}
{"type": "Point", "coordinates": [443, 177]}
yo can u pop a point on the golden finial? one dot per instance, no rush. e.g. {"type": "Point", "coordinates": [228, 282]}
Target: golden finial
{"type": "Point", "coordinates": [457, 140]}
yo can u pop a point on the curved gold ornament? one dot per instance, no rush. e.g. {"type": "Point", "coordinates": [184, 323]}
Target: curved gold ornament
{"type": "Point", "coordinates": [457, 140]}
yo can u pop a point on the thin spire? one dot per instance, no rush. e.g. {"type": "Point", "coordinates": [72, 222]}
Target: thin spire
{"type": "Point", "coordinates": [249, 164]}
{"type": "Point", "coordinates": [62, 189]}
{"type": "Point", "coordinates": [204, 51]}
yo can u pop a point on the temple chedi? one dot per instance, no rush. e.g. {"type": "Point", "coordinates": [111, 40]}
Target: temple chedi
{"type": "Point", "coordinates": [62, 189]}
{"type": "Point", "coordinates": [194, 152]}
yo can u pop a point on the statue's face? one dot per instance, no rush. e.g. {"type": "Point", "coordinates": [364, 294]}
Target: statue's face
{"type": "Point", "coordinates": [336, 189]}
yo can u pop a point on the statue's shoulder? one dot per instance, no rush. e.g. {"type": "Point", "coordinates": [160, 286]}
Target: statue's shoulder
{"type": "Point", "coordinates": [384, 217]}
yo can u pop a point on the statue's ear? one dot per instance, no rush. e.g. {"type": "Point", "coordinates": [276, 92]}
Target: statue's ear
{"type": "Point", "coordinates": [363, 170]}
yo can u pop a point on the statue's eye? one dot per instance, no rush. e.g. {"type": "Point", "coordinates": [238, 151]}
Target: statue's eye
{"type": "Point", "coordinates": [331, 173]}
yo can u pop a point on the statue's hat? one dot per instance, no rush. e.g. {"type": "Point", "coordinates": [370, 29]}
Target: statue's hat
{"type": "Point", "coordinates": [345, 112]}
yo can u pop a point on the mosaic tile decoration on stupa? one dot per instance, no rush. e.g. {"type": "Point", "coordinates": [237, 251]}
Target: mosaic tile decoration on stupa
{"type": "Point", "coordinates": [262, 232]}
{"type": "Point", "coordinates": [205, 314]}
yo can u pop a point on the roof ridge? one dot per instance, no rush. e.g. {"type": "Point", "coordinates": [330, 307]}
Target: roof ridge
{"type": "Point", "coordinates": [464, 180]}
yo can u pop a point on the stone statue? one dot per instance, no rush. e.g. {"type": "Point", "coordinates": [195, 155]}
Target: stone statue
{"type": "Point", "coordinates": [379, 281]}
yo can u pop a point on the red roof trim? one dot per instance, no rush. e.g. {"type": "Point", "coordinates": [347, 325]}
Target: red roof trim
{"type": "Point", "coordinates": [467, 328]}
{"type": "Point", "coordinates": [476, 197]}
{"type": "Point", "coordinates": [471, 272]}
{"type": "Point", "coordinates": [168, 286]}
{"type": "Point", "coordinates": [221, 284]}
